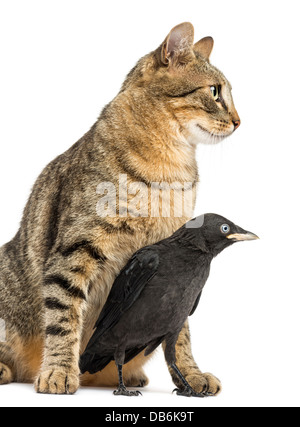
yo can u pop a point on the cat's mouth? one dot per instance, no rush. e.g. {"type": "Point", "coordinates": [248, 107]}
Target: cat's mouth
{"type": "Point", "coordinates": [195, 134]}
{"type": "Point", "coordinates": [207, 137]}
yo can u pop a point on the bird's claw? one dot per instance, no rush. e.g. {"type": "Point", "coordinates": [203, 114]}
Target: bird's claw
{"type": "Point", "coordinates": [122, 391]}
{"type": "Point", "coordinates": [189, 392]}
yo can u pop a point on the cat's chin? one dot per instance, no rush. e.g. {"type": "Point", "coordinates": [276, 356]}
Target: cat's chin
{"type": "Point", "coordinates": [198, 135]}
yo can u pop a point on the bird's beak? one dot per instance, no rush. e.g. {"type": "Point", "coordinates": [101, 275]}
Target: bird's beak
{"type": "Point", "coordinates": [243, 236]}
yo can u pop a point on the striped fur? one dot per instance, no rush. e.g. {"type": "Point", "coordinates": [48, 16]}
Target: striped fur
{"type": "Point", "coordinates": [55, 274]}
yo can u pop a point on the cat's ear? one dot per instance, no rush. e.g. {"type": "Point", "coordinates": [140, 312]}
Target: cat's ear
{"type": "Point", "coordinates": [204, 47]}
{"type": "Point", "coordinates": [178, 45]}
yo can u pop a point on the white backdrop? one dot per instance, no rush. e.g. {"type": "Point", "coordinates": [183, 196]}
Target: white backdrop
{"type": "Point", "coordinates": [62, 61]}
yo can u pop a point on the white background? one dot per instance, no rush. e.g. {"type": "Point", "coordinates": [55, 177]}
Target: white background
{"type": "Point", "coordinates": [62, 61]}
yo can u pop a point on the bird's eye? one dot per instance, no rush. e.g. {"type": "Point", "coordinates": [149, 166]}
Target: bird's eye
{"type": "Point", "coordinates": [215, 91]}
{"type": "Point", "coordinates": [225, 228]}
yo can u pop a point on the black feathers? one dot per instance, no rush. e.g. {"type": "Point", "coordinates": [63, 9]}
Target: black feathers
{"type": "Point", "coordinates": [126, 289]}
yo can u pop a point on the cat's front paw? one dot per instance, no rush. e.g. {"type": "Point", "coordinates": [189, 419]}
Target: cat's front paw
{"type": "Point", "coordinates": [57, 381]}
{"type": "Point", "coordinates": [206, 383]}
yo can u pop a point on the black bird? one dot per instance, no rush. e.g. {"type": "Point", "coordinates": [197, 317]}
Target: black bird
{"type": "Point", "coordinates": [156, 291]}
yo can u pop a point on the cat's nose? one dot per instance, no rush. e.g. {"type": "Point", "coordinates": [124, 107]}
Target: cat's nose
{"type": "Point", "coordinates": [236, 124]}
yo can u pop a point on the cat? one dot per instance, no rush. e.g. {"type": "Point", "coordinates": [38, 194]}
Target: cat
{"type": "Point", "coordinates": [56, 273]}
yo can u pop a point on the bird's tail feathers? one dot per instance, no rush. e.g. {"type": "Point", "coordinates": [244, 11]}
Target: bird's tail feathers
{"type": "Point", "coordinates": [92, 363]}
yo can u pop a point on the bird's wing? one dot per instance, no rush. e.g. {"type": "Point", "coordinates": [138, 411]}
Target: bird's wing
{"type": "Point", "coordinates": [196, 304]}
{"type": "Point", "coordinates": [126, 290]}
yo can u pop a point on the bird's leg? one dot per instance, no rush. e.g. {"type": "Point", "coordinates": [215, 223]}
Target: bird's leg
{"type": "Point", "coordinates": [170, 357]}
{"type": "Point", "coordinates": [200, 382]}
{"type": "Point", "coordinates": [122, 390]}
{"type": "Point", "coordinates": [187, 390]}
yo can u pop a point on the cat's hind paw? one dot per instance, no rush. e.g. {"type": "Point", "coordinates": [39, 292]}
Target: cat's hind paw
{"type": "Point", "coordinates": [6, 375]}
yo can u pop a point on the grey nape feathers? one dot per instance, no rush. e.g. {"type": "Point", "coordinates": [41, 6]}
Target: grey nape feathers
{"type": "Point", "coordinates": [154, 294]}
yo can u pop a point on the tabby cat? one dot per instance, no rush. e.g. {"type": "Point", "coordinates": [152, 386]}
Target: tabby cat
{"type": "Point", "coordinates": [55, 274]}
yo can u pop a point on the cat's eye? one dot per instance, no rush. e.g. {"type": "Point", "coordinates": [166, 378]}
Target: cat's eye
{"type": "Point", "coordinates": [225, 228]}
{"type": "Point", "coordinates": [215, 91]}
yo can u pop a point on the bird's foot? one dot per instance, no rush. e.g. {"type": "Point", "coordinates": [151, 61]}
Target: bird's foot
{"type": "Point", "coordinates": [188, 392]}
{"type": "Point", "coordinates": [122, 391]}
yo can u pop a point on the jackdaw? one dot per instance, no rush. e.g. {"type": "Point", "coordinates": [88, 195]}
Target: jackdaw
{"type": "Point", "coordinates": [154, 294]}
